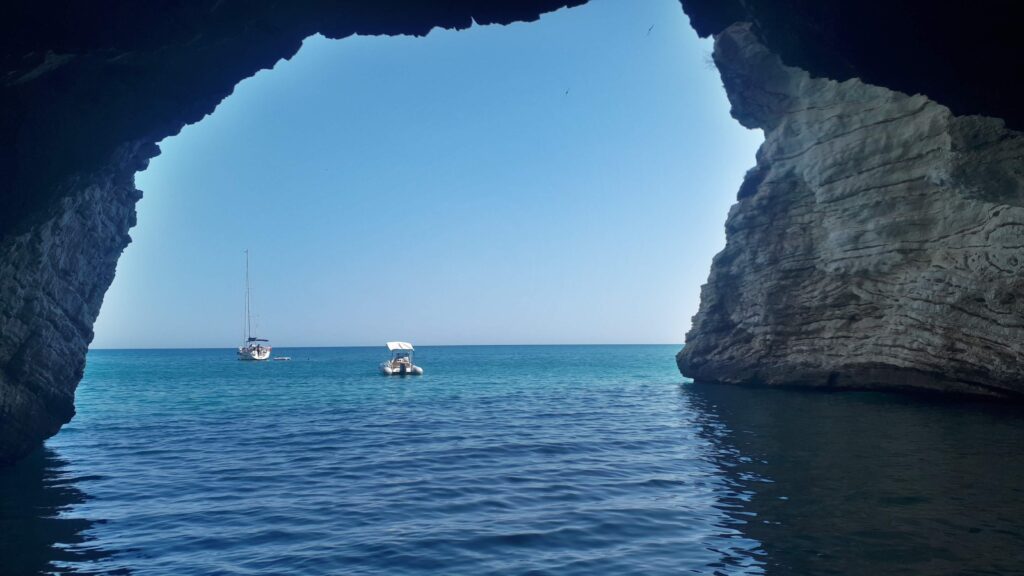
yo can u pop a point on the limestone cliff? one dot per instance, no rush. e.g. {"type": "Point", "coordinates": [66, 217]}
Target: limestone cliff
{"type": "Point", "coordinates": [878, 241]}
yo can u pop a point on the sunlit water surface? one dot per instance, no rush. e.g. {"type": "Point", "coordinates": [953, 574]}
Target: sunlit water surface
{"type": "Point", "coordinates": [505, 460]}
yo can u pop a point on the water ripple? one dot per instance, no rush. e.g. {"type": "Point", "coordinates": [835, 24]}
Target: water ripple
{"type": "Point", "coordinates": [496, 462]}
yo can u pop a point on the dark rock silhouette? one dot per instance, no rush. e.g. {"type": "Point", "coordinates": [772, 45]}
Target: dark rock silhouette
{"type": "Point", "coordinates": [960, 55]}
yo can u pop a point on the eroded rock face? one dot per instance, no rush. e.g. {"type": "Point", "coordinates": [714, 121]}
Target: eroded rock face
{"type": "Point", "coordinates": [878, 242]}
{"type": "Point", "coordinates": [52, 280]}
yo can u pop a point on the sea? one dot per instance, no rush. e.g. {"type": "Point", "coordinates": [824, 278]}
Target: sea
{"type": "Point", "coordinates": [561, 460]}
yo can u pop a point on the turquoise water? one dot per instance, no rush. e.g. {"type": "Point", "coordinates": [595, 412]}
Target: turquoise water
{"type": "Point", "coordinates": [505, 460]}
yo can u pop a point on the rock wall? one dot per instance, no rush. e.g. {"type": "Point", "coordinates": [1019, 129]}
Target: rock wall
{"type": "Point", "coordinates": [878, 242]}
{"type": "Point", "coordinates": [52, 280]}
{"type": "Point", "coordinates": [962, 55]}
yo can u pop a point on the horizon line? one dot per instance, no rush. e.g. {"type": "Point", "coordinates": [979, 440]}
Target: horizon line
{"type": "Point", "coordinates": [418, 346]}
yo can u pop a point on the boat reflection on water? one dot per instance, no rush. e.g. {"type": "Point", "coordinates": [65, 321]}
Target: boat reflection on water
{"type": "Point", "coordinates": [868, 483]}
{"type": "Point", "coordinates": [38, 534]}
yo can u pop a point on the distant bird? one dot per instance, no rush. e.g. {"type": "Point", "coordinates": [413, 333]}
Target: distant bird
{"type": "Point", "coordinates": [649, 29]}
{"type": "Point", "coordinates": [566, 91]}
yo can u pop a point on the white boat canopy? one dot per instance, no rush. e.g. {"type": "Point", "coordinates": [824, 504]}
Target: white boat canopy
{"type": "Point", "coordinates": [392, 346]}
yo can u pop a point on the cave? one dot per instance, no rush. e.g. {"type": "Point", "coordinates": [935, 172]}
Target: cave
{"type": "Point", "coordinates": [875, 244]}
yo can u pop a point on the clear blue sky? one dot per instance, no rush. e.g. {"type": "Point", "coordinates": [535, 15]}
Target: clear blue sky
{"type": "Point", "coordinates": [562, 181]}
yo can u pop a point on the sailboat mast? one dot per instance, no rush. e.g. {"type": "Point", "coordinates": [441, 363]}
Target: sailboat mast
{"type": "Point", "coordinates": [248, 316]}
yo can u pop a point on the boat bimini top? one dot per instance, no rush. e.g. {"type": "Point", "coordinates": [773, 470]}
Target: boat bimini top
{"type": "Point", "coordinates": [401, 360]}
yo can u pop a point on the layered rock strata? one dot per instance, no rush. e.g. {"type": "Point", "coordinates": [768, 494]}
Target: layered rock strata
{"type": "Point", "coordinates": [877, 243]}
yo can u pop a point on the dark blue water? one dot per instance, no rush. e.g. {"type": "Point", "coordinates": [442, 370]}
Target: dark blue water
{"type": "Point", "coordinates": [505, 460]}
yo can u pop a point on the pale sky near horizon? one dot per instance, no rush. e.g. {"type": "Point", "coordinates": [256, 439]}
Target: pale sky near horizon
{"type": "Point", "coordinates": [562, 181]}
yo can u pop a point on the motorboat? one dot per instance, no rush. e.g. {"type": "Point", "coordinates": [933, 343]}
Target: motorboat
{"type": "Point", "coordinates": [252, 348]}
{"type": "Point", "coordinates": [400, 363]}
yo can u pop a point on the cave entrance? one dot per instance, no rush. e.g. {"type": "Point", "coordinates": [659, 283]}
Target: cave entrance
{"type": "Point", "coordinates": [559, 181]}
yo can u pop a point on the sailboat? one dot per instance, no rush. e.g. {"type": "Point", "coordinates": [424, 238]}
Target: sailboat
{"type": "Point", "coordinates": [252, 348]}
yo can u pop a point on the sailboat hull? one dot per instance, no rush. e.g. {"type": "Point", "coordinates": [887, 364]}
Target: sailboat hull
{"type": "Point", "coordinates": [254, 353]}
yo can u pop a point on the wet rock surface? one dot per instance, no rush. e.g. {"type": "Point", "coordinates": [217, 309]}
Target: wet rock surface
{"type": "Point", "coordinates": [878, 242]}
